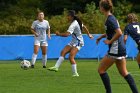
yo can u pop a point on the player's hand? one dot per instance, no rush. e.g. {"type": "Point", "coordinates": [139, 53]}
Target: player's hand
{"type": "Point", "coordinates": [36, 35]}
{"type": "Point", "coordinates": [57, 33]}
{"type": "Point", "coordinates": [107, 41]}
{"type": "Point", "coordinates": [90, 36]}
{"type": "Point", "coordinates": [97, 41]}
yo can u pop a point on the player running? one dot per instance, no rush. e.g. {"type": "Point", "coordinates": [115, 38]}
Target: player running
{"type": "Point", "coordinates": [76, 43]}
{"type": "Point", "coordinates": [117, 52]}
{"type": "Point", "coordinates": [39, 28]}
{"type": "Point", "coordinates": [133, 29]}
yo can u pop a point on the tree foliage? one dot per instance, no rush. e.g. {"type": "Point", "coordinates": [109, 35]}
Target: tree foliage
{"type": "Point", "coordinates": [18, 15]}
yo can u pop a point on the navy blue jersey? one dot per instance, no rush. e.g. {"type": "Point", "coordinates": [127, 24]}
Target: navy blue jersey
{"type": "Point", "coordinates": [117, 48]}
{"type": "Point", "coordinates": [133, 29]}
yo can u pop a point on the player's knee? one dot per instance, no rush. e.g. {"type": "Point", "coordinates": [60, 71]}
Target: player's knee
{"type": "Point", "coordinates": [101, 71]}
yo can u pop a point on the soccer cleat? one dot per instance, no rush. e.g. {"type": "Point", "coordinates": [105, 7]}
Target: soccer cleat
{"type": "Point", "coordinates": [75, 75]}
{"type": "Point", "coordinates": [53, 69]}
{"type": "Point", "coordinates": [32, 66]}
{"type": "Point", "coordinates": [44, 66]}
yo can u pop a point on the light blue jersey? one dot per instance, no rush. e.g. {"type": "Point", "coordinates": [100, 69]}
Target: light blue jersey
{"type": "Point", "coordinates": [40, 28]}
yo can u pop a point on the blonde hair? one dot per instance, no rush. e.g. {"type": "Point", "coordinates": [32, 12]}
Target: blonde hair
{"type": "Point", "coordinates": [132, 18]}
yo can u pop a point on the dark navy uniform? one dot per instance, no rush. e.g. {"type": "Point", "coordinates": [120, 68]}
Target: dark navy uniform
{"type": "Point", "coordinates": [117, 48]}
{"type": "Point", "coordinates": [133, 29]}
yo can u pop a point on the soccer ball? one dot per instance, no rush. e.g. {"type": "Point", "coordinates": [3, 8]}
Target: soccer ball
{"type": "Point", "coordinates": [25, 64]}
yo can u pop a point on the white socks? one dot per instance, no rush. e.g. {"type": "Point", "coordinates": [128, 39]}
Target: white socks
{"type": "Point", "coordinates": [34, 56]}
{"type": "Point", "coordinates": [59, 61]}
{"type": "Point", "coordinates": [74, 68]}
{"type": "Point", "coordinates": [44, 60]}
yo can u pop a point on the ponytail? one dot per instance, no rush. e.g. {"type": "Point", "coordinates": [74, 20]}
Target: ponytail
{"type": "Point", "coordinates": [79, 21]}
{"type": "Point", "coordinates": [72, 14]}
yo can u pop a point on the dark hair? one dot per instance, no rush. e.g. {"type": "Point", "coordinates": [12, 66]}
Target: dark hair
{"type": "Point", "coordinates": [79, 21]}
{"type": "Point", "coordinates": [72, 13]}
{"type": "Point", "coordinates": [132, 18]}
{"type": "Point", "coordinates": [107, 5]}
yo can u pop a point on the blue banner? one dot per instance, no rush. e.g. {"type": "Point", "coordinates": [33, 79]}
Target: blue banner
{"type": "Point", "coordinates": [21, 47]}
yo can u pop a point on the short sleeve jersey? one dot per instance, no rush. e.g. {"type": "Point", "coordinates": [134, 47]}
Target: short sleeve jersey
{"type": "Point", "coordinates": [117, 48]}
{"type": "Point", "coordinates": [75, 31]}
{"type": "Point", "coordinates": [40, 28]}
{"type": "Point", "coordinates": [133, 29]}
{"type": "Point", "coordinates": [111, 25]}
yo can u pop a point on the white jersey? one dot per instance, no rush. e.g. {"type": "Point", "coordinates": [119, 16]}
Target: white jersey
{"type": "Point", "coordinates": [40, 28]}
{"type": "Point", "coordinates": [75, 31]}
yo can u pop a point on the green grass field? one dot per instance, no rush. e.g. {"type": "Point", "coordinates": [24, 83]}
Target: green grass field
{"type": "Point", "coordinates": [13, 79]}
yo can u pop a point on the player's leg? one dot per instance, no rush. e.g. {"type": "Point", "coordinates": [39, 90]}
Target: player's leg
{"type": "Point", "coordinates": [121, 65]}
{"type": "Point", "coordinates": [138, 56]}
{"type": "Point", "coordinates": [34, 56]}
{"type": "Point", "coordinates": [106, 62]}
{"type": "Point", "coordinates": [138, 59]}
{"type": "Point", "coordinates": [73, 52]}
{"type": "Point", "coordinates": [44, 55]}
{"type": "Point", "coordinates": [61, 58]}
{"type": "Point", "coordinates": [63, 53]}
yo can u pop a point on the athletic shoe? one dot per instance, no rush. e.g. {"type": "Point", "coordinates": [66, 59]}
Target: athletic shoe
{"type": "Point", "coordinates": [53, 69]}
{"type": "Point", "coordinates": [44, 66]}
{"type": "Point", "coordinates": [75, 75]}
{"type": "Point", "coordinates": [32, 66]}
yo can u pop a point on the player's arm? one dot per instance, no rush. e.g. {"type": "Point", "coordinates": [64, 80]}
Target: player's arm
{"type": "Point", "coordinates": [34, 32]}
{"type": "Point", "coordinates": [125, 38]}
{"type": "Point", "coordinates": [115, 37]}
{"type": "Point", "coordinates": [49, 33]}
{"type": "Point", "coordinates": [99, 38]}
{"type": "Point", "coordinates": [87, 32]}
{"type": "Point", "coordinates": [62, 34]}
{"type": "Point", "coordinates": [126, 30]}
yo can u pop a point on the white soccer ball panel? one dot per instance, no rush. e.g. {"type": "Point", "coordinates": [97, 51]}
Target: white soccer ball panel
{"type": "Point", "coordinates": [25, 64]}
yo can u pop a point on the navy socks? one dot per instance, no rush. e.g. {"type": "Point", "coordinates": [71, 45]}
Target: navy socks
{"type": "Point", "coordinates": [131, 83]}
{"type": "Point", "coordinates": [106, 82]}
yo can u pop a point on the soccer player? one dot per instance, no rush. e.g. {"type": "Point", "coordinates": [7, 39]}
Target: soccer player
{"type": "Point", "coordinates": [117, 51]}
{"type": "Point", "coordinates": [76, 43]}
{"type": "Point", "coordinates": [133, 29]}
{"type": "Point", "coordinates": [39, 28]}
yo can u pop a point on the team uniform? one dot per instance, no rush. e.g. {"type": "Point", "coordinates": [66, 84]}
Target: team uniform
{"type": "Point", "coordinates": [77, 41]}
{"type": "Point", "coordinates": [133, 29]}
{"type": "Point", "coordinates": [77, 38]}
{"type": "Point", "coordinates": [117, 49]}
{"type": "Point", "coordinates": [40, 28]}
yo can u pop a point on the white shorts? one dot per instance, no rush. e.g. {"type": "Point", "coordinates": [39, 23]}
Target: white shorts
{"type": "Point", "coordinates": [40, 43]}
{"type": "Point", "coordinates": [78, 46]}
{"type": "Point", "coordinates": [115, 57]}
